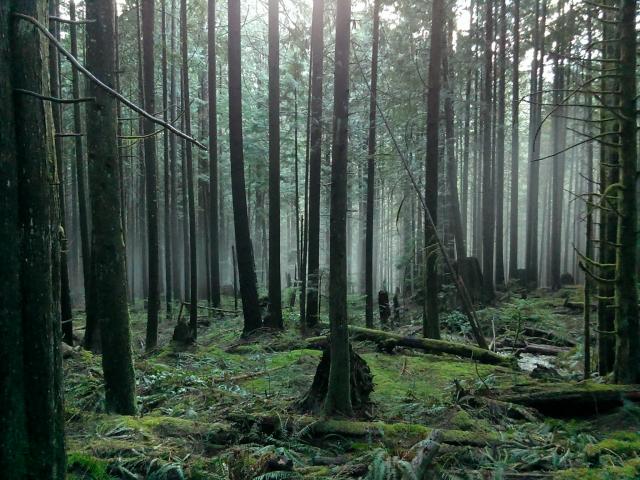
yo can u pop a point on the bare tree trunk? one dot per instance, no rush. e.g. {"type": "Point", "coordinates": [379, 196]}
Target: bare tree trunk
{"type": "Point", "coordinates": [246, 266]}
{"type": "Point", "coordinates": [193, 257]}
{"type": "Point", "coordinates": [431, 322]}
{"type": "Point", "coordinates": [627, 365]}
{"type": "Point", "coordinates": [151, 173]}
{"type": "Point", "coordinates": [275, 290]}
{"type": "Point", "coordinates": [213, 159]}
{"type": "Point", "coordinates": [500, 135]}
{"type": "Point", "coordinates": [338, 400]}
{"type": "Point", "coordinates": [107, 253]}
{"type": "Point", "coordinates": [371, 142]}
{"type": "Point", "coordinates": [515, 144]}
{"type": "Point", "coordinates": [315, 161]}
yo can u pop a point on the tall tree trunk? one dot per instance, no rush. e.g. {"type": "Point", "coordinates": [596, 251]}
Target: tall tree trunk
{"type": "Point", "coordinates": [173, 159]}
{"type": "Point", "coordinates": [108, 254]}
{"type": "Point", "coordinates": [191, 193]}
{"type": "Point", "coordinates": [168, 240]}
{"type": "Point", "coordinates": [431, 321]}
{"type": "Point", "coordinates": [213, 158]}
{"type": "Point", "coordinates": [451, 164]}
{"type": "Point", "coordinates": [246, 265]}
{"type": "Point", "coordinates": [558, 168]}
{"type": "Point", "coordinates": [275, 290]}
{"type": "Point", "coordinates": [371, 142]}
{"type": "Point", "coordinates": [151, 174]}
{"type": "Point", "coordinates": [500, 135]}
{"type": "Point", "coordinates": [533, 188]}
{"type": "Point", "coordinates": [515, 144]}
{"type": "Point", "coordinates": [627, 364]}
{"type": "Point", "coordinates": [488, 213]}
{"type": "Point", "coordinates": [315, 161]}
{"type": "Point", "coordinates": [609, 175]}
{"type": "Point", "coordinates": [66, 315]}
{"type": "Point", "coordinates": [92, 329]}
{"type": "Point", "coordinates": [338, 400]}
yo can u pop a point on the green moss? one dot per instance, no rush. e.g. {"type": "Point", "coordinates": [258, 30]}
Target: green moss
{"type": "Point", "coordinates": [623, 444]}
{"type": "Point", "coordinates": [462, 420]}
{"type": "Point", "coordinates": [628, 471]}
{"type": "Point", "coordinates": [86, 467]}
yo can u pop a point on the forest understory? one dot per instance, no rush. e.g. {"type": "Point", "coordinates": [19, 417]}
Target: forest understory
{"type": "Point", "coordinates": [228, 408]}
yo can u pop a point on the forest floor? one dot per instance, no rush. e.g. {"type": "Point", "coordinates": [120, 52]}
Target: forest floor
{"type": "Point", "coordinates": [225, 408]}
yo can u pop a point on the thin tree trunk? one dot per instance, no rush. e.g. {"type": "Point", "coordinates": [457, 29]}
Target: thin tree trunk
{"type": "Point", "coordinates": [500, 135]}
{"type": "Point", "coordinates": [193, 257]}
{"type": "Point", "coordinates": [488, 214]}
{"type": "Point", "coordinates": [315, 160]}
{"type": "Point", "coordinates": [151, 173]}
{"type": "Point", "coordinates": [515, 144]}
{"type": "Point", "coordinates": [371, 142]}
{"type": "Point", "coordinates": [275, 290]}
{"type": "Point", "coordinates": [168, 241]}
{"type": "Point", "coordinates": [214, 245]}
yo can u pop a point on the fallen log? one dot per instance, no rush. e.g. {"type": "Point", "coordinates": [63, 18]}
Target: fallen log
{"type": "Point", "coordinates": [549, 350]}
{"type": "Point", "coordinates": [427, 451]}
{"type": "Point", "coordinates": [388, 341]}
{"type": "Point", "coordinates": [574, 400]}
{"type": "Point", "coordinates": [397, 435]}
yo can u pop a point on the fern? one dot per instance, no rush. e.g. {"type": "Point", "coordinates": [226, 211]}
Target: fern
{"type": "Point", "coordinates": [280, 475]}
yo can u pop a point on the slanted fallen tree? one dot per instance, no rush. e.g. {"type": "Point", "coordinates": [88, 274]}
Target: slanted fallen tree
{"type": "Point", "coordinates": [388, 341]}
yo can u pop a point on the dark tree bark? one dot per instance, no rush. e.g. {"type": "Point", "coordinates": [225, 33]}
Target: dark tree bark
{"type": "Point", "coordinates": [338, 399]}
{"type": "Point", "coordinates": [451, 163]}
{"type": "Point", "coordinates": [627, 365]}
{"type": "Point", "coordinates": [431, 321]}
{"type": "Point", "coordinates": [213, 158]}
{"type": "Point", "coordinates": [558, 171]}
{"type": "Point", "coordinates": [246, 265]}
{"type": "Point", "coordinates": [108, 253]}
{"type": "Point", "coordinates": [274, 319]}
{"type": "Point", "coordinates": [500, 135]}
{"type": "Point", "coordinates": [173, 160]}
{"type": "Point", "coordinates": [186, 99]}
{"type": "Point", "coordinates": [371, 154]}
{"type": "Point", "coordinates": [609, 175]}
{"type": "Point", "coordinates": [515, 143]}
{"type": "Point", "coordinates": [38, 229]}
{"type": "Point", "coordinates": [315, 162]}
{"type": "Point", "coordinates": [66, 314]}
{"type": "Point", "coordinates": [92, 330]}
{"type": "Point", "coordinates": [151, 173]}
{"type": "Point", "coordinates": [168, 240]}
{"type": "Point", "coordinates": [13, 421]}
{"type": "Point", "coordinates": [488, 193]}
{"type": "Point", "coordinates": [533, 186]}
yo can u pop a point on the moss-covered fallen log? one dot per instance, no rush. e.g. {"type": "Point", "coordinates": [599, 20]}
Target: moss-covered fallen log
{"type": "Point", "coordinates": [388, 341]}
{"type": "Point", "coordinates": [574, 400]}
{"type": "Point", "coordinates": [396, 435]}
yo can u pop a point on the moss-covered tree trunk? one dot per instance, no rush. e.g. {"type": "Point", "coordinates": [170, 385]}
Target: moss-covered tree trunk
{"type": "Point", "coordinates": [627, 364]}
{"type": "Point", "coordinates": [108, 252]}
{"type": "Point", "coordinates": [338, 399]}
{"type": "Point", "coordinates": [13, 426]}
{"type": "Point", "coordinates": [38, 229]}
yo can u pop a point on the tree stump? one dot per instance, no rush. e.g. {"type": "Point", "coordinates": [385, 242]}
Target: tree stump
{"type": "Point", "coordinates": [361, 383]}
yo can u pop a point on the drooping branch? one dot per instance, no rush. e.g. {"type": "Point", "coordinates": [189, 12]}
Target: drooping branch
{"type": "Point", "coordinates": [74, 61]}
